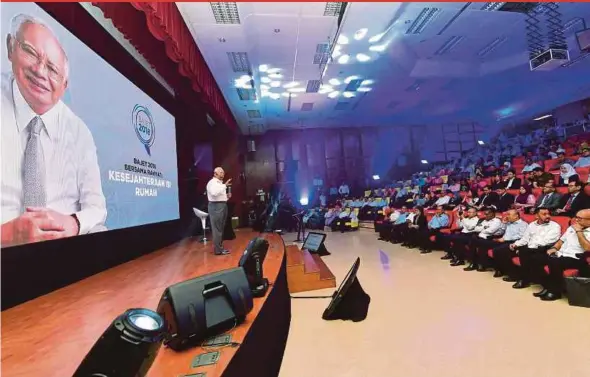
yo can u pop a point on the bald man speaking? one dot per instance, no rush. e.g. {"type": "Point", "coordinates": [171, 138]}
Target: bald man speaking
{"type": "Point", "coordinates": [217, 195]}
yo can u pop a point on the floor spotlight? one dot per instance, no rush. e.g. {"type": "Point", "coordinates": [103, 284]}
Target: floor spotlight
{"type": "Point", "coordinates": [127, 348]}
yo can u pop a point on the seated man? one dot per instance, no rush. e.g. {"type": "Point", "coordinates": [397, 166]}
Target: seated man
{"type": "Point", "coordinates": [511, 182]}
{"type": "Point", "coordinates": [331, 215]}
{"type": "Point", "coordinates": [530, 165]}
{"type": "Point", "coordinates": [549, 199]}
{"type": "Point", "coordinates": [540, 177]}
{"type": "Point", "coordinates": [515, 228]}
{"type": "Point", "coordinates": [487, 200]}
{"type": "Point", "coordinates": [340, 222]}
{"type": "Point", "coordinates": [540, 235]}
{"type": "Point", "coordinates": [439, 221]}
{"type": "Point", "coordinates": [466, 224]}
{"type": "Point", "coordinates": [416, 224]}
{"type": "Point", "coordinates": [399, 225]}
{"type": "Point", "coordinates": [490, 227]}
{"type": "Point", "coordinates": [576, 200]}
{"type": "Point", "coordinates": [505, 200]}
{"type": "Point", "coordinates": [583, 161]}
{"type": "Point", "coordinates": [384, 229]}
{"type": "Point", "coordinates": [567, 253]}
{"type": "Point", "coordinates": [561, 159]}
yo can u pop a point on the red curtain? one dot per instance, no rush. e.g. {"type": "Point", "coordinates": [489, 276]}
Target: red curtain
{"type": "Point", "coordinates": [166, 24]}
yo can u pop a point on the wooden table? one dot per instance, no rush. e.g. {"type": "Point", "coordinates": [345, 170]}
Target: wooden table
{"type": "Point", "coordinates": [50, 335]}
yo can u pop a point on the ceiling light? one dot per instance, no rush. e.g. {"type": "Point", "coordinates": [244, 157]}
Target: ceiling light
{"type": "Point", "coordinates": [275, 95]}
{"type": "Point", "coordinates": [225, 12]}
{"type": "Point", "coordinates": [334, 82]}
{"type": "Point", "coordinates": [360, 34]}
{"type": "Point", "coordinates": [265, 93]}
{"type": "Point", "coordinates": [350, 78]}
{"type": "Point", "coordinates": [334, 94]}
{"type": "Point", "coordinates": [480, 142]}
{"type": "Point", "coordinates": [246, 85]}
{"type": "Point", "coordinates": [424, 161]}
{"type": "Point", "coordinates": [378, 48]}
{"type": "Point", "coordinates": [348, 94]}
{"type": "Point", "coordinates": [367, 82]}
{"type": "Point", "coordinates": [285, 94]}
{"type": "Point", "coordinates": [273, 70]}
{"type": "Point", "coordinates": [263, 67]}
{"type": "Point", "coordinates": [363, 58]}
{"type": "Point", "coordinates": [265, 80]}
{"type": "Point", "coordinates": [543, 117]}
{"type": "Point", "coordinates": [343, 59]}
{"type": "Point", "coordinates": [365, 89]}
{"type": "Point", "coordinates": [336, 54]}
{"type": "Point", "coordinates": [275, 84]}
{"type": "Point", "coordinates": [325, 89]}
{"type": "Point", "coordinates": [296, 90]}
{"type": "Point", "coordinates": [264, 87]}
{"type": "Point", "coordinates": [245, 78]}
{"type": "Point", "coordinates": [275, 76]}
{"type": "Point", "coordinates": [376, 38]}
{"type": "Point", "coordinates": [342, 40]}
{"type": "Point", "coordinates": [291, 84]}
{"type": "Point", "coordinates": [376, 177]}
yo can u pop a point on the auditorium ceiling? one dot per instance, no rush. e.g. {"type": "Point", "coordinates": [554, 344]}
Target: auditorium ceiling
{"type": "Point", "coordinates": [307, 65]}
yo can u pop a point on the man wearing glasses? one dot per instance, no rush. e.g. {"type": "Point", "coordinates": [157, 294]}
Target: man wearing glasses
{"type": "Point", "coordinates": [50, 181]}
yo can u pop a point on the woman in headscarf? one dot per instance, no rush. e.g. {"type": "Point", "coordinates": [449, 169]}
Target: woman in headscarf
{"type": "Point", "coordinates": [567, 174]}
{"type": "Point", "coordinates": [525, 198]}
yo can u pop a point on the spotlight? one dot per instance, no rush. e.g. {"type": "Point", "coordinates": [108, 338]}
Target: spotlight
{"type": "Point", "coordinates": [304, 201]}
{"type": "Point", "coordinates": [128, 346]}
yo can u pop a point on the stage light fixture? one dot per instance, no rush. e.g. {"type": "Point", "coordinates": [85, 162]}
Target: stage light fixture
{"type": "Point", "coordinates": [128, 346]}
{"type": "Point", "coordinates": [304, 201]}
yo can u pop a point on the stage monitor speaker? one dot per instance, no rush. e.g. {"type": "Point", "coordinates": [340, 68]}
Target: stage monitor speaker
{"type": "Point", "coordinates": [204, 306]}
{"type": "Point", "coordinates": [314, 243]}
{"type": "Point", "coordinates": [349, 302]}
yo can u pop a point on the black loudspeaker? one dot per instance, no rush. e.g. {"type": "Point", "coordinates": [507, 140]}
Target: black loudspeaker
{"type": "Point", "coordinates": [349, 302]}
{"type": "Point", "coordinates": [201, 307]}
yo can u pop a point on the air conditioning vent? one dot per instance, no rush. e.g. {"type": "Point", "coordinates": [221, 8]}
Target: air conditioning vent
{"type": "Point", "coordinates": [493, 45]}
{"type": "Point", "coordinates": [341, 106]}
{"type": "Point", "coordinates": [426, 16]}
{"type": "Point", "coordinates": [308, 106]}
{"type": "Point", "coordinates": [321, 58]}
{"type": "Point", "coordinates": [312, 86]}
{"type": "Point", "coordinates": [254, 114]}
{"type": "Point", "coordinates": [239, 61]}
{"type": "Point", "coordinates": [226, 13]}
{"type": "Point", "coordinates": [450, 44]}
{"type": "Point", "coordinates": [333, 9]}
{"type": "Point", "coordinates": [246, 94]}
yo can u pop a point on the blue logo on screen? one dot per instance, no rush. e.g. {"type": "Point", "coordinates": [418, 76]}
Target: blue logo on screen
{"type": "Point", "coordinates": [144, 126]}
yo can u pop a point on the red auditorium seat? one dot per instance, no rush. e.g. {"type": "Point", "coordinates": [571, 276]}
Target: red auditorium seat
{"type": "Point", "coordinates": [562, 190]}
{"type": "Point", "coordinates": [537, 192]}
{"type": "Point", "coordinates": [513, 192]}
{"type": "Point", "coordinates": [563, 221]}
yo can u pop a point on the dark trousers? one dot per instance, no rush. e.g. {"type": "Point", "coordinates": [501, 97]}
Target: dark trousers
{"type": "Point", "coordinates": [532, 263]}
{"type": "Point", "coordinates": [412, 237]}
{"type": "Point", "coordinates": [340, 224]}
{"type": "Point", "coordinates": [218, 216]}
{"type": "Point", "coordinates": [554, 283]}
{"type": "Point", "coordinates": [385, 230]}
{"type": "Point", "coordinates": [423, 240]}
{"type": "Point", "coordinates": [480, 252]}
{"type": "Point", "coordinates": [503, 260]}
{"type": "Point", "coordinates": [448, 241]}
{"type": "Point", "coordinates": [461, 244]}
{"type": "Point", "coordinates": [398, 232]}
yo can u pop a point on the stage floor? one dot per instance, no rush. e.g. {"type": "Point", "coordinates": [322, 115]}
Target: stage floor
{"type": "Point", "coordinates": [428, 319]}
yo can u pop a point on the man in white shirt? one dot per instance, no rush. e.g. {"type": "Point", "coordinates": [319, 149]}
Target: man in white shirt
{"type": "Point", "coordinates": [50, 183]}
{"type": "Point", "coordinates": [570, 252]}
{"type": "Point", "coordinates": [531, 249]}
{"type": "Point", "coordinates": [466, 222]}
{"type": "Point", "coordinates": [343, 190]}
{"type": "Point", "coordinates": [514, 230]}
{"type": "Point", "coordinates": [491, 226]}
{"type": "Point", "coordinates": [217, 195]}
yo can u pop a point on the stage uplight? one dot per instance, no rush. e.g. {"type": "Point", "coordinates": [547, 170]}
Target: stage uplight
{"type": "Point", "coordinates": [304, 201]}
{"type": "Point", "coordinates": [128, 346]}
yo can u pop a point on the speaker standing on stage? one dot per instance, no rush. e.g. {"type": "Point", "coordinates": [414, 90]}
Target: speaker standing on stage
{"type": "Point", "coordinates": [217, 195]}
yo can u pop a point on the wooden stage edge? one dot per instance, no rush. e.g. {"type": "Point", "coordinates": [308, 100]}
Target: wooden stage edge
{"type": "Point", "coordinates": [51, 334]}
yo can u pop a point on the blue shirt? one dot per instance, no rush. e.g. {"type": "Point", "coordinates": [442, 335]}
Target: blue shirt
{"type": "Point", "coordinates": [582, 162]}
{"type": "Point", "coordinates": [438, 222]}
{"type": "Point", "coordinates": [401, 219]}
{"type": "Point", "coordinates": [515, 230]}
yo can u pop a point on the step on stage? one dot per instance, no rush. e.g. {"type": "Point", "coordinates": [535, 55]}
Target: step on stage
{"type": "Point", "coordinates": [50, 335]}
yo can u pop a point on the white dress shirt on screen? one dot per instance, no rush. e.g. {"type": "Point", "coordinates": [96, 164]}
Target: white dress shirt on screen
{"type": "Point", "coordinates": [72, 179]}
{"type": "Point", "coordinates": [216, 191]}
